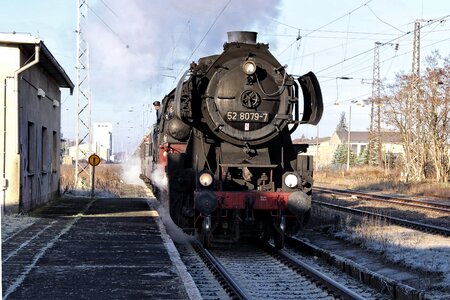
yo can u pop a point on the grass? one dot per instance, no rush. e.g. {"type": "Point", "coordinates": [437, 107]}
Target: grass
{"type": "Point", "coordinates": [107, 178]}
{"type": "Point", "coordinates": [378, 179]}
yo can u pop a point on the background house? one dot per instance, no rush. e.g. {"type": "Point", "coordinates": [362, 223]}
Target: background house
{"type": "Point", "coordinates": [102, 140]}
{"type": "Point", "coordinates": [323, 149]}
{"type": "Point", "coordinates": [101, 145]}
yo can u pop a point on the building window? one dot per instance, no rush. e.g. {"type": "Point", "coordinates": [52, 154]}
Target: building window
{"type": "Point", "coordinates": [54, 152]}
{"type": "Point", "coordinates": [31, 149]}
{"type": "Point", "coordinates": [363, 147]}
{"type": "Point", "coordinates": [44, 150]}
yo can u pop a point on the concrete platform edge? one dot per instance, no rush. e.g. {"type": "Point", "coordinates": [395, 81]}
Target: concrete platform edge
{"type": "Point", "coordinates": [189, 284]}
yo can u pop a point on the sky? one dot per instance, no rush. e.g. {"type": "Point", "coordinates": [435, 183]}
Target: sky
{"type": "Point", "coordinates": [139, 49]}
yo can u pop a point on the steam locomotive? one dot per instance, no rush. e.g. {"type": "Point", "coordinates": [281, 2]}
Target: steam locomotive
{"type": "Point", "coordinates": [223, 140]}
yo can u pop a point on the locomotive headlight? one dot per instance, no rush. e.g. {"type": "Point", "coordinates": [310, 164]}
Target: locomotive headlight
{"type": "Point", "coordinates": [291, 181]}
{"type": "Point", "coordinates": [205, 178]}
{"type": "Point", "coordinates": [249, 67]}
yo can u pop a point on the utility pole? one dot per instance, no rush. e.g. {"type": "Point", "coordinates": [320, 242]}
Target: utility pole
{"type": "Point", "coordinates": [83, 114]}
{"type": "Point", "coordinates": [349, 136]}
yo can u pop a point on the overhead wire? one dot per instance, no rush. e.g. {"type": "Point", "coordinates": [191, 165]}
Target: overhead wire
{"type": "Point", "coordinates": [182, 34]}
{"type": "Point", "coordinates": [382, 21]}
{"type": "Point", "coordinates": [349, 99]}
{"type": "Point", "coordinates": [396, 55]}
{"type": "Point", "coordinates": [405, 34]}
{"type": "Point", "coordinates": [332, 78]}
{"type": "Point", "coordinates": [392, 40]}
{"type": "Point", "coordinates": [362, 60]}
{"type": "Point", "coordinates": [365, 60]}
{"type": "Point", "coordinates": [203, 38]}
{"type": "Point", "coordinates": [109, 27]}
{"type": "Point", "coordinates": [337, 19]}
{"type": "Point", "coordinates": [323, 26]}
{"type": "Point", "coordinates": [320, 30]}
{"type": "Point", "coordinates": [328, 31]}
{"type": "Point", "coordinates": [109, 8]}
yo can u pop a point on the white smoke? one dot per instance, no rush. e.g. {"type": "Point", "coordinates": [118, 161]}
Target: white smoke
{"type": "Point", "coordinates": [131, 171]}
{"type": "Point", "coordinates": [139, 49]}
{"type": "Point", "coordinates": [159, 179]}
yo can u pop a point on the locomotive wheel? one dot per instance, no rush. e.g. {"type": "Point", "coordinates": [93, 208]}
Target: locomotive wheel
{"type": "Point", "coordinates": [156, 191]}
{"type": "Point", "coordinates": [266, 232]}
{"type": "Point", "coordinates": [278, 239]}
{"type": "Point", "coordinates": [279, 232]}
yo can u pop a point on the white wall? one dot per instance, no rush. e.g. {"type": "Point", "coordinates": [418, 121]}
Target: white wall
{"type": "Point", "coordinates": [10, 160]}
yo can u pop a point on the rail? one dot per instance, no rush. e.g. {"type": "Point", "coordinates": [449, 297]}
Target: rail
{"type": "Point", "coordinates": [398, 221]}
{"type": "Point", "coordinates": [337, 288]}
{"type": "Point", "coordinates": [234, 290]}
{"type": "Point", "coordinates": [397, 200]}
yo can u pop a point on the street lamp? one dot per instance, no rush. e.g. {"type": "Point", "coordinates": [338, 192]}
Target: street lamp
{"type": "Point", "coordinates": [349, 136]}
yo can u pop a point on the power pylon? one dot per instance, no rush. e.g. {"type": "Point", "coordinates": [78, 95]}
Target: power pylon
{"type": "Point", "coordinates": [375, 112]}
{"type": "Point", "coordinates": [414, 158]}
{"type": "Point", "coordinates": [83, 114]}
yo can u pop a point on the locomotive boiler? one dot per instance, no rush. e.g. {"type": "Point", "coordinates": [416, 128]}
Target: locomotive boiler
{"type": "Point", "coordinates": [223, 139]}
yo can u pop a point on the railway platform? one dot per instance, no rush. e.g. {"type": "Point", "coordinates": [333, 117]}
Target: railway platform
{"type": "Point", "coordinates": [101, 248]}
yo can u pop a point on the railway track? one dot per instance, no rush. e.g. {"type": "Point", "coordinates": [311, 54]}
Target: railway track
{"type": "Point", "coordinates": [415, 203]}
{"type": "Point", "coordinates": [388, 216]}
{"type": "Point", "coordinates": [393, 220]}
{"type": "Point", "coordinates": [385, 282]}
{"type": "Point", "coordinates": [262, 272]}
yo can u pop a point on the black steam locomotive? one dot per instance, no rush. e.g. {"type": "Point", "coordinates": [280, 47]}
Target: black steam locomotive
{"type": "Point", "coordinates": [223, 137]}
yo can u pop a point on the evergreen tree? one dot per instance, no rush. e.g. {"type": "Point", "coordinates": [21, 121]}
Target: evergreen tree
{"type": "Point", "coordinates": [363, 158]}
{"type": "Point", "coordinates": [340, 155]}
{"type": "Point", "coordinates": [342, 125]}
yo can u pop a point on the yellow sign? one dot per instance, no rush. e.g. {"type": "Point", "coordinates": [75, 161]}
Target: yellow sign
{"type": "Point", "coordinates": [94, 160]}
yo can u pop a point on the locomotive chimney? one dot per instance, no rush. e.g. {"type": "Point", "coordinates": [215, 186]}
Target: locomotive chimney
{"type": "Point", "coordinates": [245, 37]}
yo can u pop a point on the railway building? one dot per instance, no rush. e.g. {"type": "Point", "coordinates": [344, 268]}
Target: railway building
{"type": "Point", "coordinates": [30, 123]}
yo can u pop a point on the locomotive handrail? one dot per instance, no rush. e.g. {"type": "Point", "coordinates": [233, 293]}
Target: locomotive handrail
{"type": "Point", "coordinates": [276, 93]}
{"type": "Point", "coordinates": [295, 108]}
{"type": "Point", "coordinates": [177, 108]}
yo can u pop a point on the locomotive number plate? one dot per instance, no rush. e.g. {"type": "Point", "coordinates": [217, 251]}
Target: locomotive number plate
{"type": "Point", "coordinates": [248, 116]}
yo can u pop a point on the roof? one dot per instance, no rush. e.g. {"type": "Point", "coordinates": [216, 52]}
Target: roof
{"type": "Point", "coordinates": [311, 141]}
{"type": "Point", "coordinates": [363, 136]}
{"type": "Point", "coordinates": [46, 60]}
{"type": "Point", "coordinates": [355, 137]}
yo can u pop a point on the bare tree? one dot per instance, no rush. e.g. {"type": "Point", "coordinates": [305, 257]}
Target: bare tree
{"type": "Point", "coordinates": [424, 125]}
{"type": "Point", "coordinates": [436, 91]}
